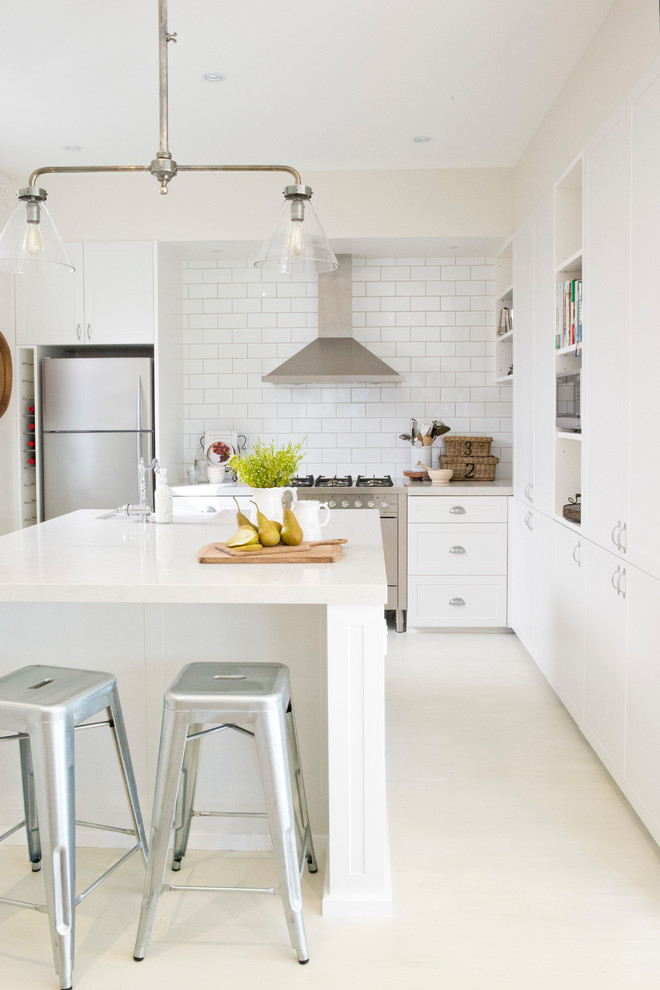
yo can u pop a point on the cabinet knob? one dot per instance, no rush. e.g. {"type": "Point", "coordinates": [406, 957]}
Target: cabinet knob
{"type": "Point", "coordinates": [79, 332]}
{"type": "Point", "coordinates": [457, 549]}
{"type": "Point", "coordinates": [89, 331]}
{"type": "Point", "coordinates": [457, 510]}
{"type": "Point", "coordinates": [614, 535]}
{"type": "Point", "coordinates": [457, 602]}
{"type": "Point", "coordinates": [576, 549]}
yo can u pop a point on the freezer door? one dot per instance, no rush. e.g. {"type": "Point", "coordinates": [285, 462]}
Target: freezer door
{"type": "Point", "coordinates": [84, 394]}
{"type": "Point", "coordinates": [93, 470]}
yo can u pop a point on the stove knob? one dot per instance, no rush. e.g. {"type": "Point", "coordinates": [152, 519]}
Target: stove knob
{"type": "Point", "coordinates": [345, 504]}
{"type": "Point", "coordinates": [332, 503]}
{"type": "Point", "coordinates": [371, 504]}
{"type": "Point", "coordinates": [384, 503]}
{"type": "Point", "coordinates": [357, 503]}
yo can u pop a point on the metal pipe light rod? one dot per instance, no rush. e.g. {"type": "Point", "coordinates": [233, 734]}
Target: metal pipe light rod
{"type": "Point", "coordinates": [163, 167]}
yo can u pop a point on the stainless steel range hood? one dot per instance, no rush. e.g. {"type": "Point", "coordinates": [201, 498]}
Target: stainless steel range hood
{"type": "Point", "coordinates": [335, 357]}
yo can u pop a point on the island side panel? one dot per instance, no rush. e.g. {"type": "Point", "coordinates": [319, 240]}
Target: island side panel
{"type": "Point", "coordinates": [358, 875]}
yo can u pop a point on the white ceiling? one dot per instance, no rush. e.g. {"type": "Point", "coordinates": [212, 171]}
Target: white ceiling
{"type": "Point", "coordinates": [317, 84]}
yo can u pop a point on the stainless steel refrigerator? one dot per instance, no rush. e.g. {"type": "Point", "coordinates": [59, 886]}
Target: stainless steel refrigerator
{"type": "Point", "coordinates": [97, 416]}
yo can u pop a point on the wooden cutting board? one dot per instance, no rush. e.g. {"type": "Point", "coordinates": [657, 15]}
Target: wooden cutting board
{"type": "Point", "coordinates": [323, 552]}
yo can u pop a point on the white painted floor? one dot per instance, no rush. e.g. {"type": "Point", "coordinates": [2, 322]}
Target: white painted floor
{"type": "Point", "coordinates": [517, 864]}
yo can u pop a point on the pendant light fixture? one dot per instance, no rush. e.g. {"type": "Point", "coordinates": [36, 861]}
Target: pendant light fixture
{"type": "Point", "coordinates": [30, 242]}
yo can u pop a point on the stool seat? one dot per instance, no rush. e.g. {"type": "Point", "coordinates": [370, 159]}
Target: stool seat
{"type": "Point", "coordinates": [230, 696]}
{"type": "Point", "coordinates": [40, 693]}
{"type": "Point", "coordinates": [43, 706]}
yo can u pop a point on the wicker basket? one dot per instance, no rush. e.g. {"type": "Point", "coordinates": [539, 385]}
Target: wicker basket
{"type": "Point", "coordinates": [573, 509]}
{"type": "Point", "coordinates": [470, 468]}
{"type": "Point", "coordinates": [467, 446]}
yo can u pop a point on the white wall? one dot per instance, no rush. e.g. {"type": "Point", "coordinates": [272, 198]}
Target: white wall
{"type": "Point", "coordinates": [202, 207]}
{"type": "Point", "coordinates": [432, 319]}
{"type": "Point", "coordinates": [621, 52]}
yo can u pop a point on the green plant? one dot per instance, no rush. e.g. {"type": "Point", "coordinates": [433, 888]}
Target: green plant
{"type": "Point", "coordinates": [266, 467]}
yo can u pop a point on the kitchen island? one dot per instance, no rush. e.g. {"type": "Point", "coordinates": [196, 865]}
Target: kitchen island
{"type": "Point", "coordinates": [92, 589]}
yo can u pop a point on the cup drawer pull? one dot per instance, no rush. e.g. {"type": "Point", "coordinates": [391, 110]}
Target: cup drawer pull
{"type": "Point", "coordinates": [457, 510]}
{"type": "Point", "coordinates": [457, 602]}
{"type": "Point", "coordinates": [457, 550]}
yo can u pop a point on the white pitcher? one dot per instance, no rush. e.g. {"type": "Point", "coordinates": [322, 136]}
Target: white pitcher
{"type": "Point", "coordinates": [269, 501]}
{"type": "Point", "coordinates": [308, 514]}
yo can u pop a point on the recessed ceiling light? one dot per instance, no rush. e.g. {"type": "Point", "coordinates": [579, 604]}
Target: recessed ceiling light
{"type": "Point", "coordinates": [422, 139]}
{"type": "Point", "coordinates": [213, 77]}
{"type": "Point", "coordinates": [73, 147]}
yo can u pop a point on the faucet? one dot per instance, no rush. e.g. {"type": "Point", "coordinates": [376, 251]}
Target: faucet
{"type": "Point", "coordinates": [143, 508]}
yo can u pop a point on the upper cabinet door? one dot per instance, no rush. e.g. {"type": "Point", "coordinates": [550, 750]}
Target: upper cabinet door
{"type": "Point", "coordinates": [543, 483]}
{"type": "Point", "coordinates": [109, 299]}
{"type": "Point", "coordinates": [523, 360]}
{"type": "Point", "coordinates": [49, 308]}
{"type": "Point", "coordinates": [604, 398]}
{"type": "Point", "coordinates": [643, 535]}
{"type": "Point", "coordinates": [119, 292]}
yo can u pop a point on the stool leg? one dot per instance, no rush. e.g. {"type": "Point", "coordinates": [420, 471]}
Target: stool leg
{"type": "Point", "coordinates": [173, 733]}
{"type": "Point", "coordinates": [306, 832]}
{"type": "Point", "coordinates": [124, 756]}
{"type": "Point", "coordinates": [30, 805]}
{"type": "Point", "coordinates": [272, 747]}
{"type": "Point", "coordinates": [186, 797]}
{"type": "Point", "coordinates": [52, 748]}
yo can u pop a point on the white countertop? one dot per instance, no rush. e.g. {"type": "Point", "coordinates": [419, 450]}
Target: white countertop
{"type": "Point", "coordinates": [229, 488]}
{"type": "Point", "coordinates": [83, 557]}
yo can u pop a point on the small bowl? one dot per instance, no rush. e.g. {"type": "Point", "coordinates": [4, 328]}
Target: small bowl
{"type": "Point", "coordinates": [439, 476]}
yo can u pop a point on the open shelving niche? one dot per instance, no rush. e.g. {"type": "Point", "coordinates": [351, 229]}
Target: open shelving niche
{"type": "Point", "coordinates": [568, 265]}
{"type": "Point", "coordinates": [504, 301]}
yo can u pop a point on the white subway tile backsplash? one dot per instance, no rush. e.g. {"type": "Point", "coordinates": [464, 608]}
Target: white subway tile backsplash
{"type": "Point", "coordinates": [431, 319]}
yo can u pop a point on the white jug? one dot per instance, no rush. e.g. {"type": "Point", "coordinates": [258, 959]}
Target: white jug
{"type": "Point", "coordinates": [308, 514]}
{"type": "Point", "coordinates": [269, 501]}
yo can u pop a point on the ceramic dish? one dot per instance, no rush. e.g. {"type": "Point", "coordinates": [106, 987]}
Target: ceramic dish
{"type": "Point", "coordinates": [440, 476]}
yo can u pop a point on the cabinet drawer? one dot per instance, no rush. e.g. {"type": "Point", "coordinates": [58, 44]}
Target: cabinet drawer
{"type": "Point", "coordinates": [436, 602]}
{"type": "Point", "coordinates": [457, 508]}
{"type": "Point", "coordinates": [447, 548]}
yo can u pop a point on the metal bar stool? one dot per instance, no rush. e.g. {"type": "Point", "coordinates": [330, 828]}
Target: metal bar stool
{"type": "Point", "coordinates": [43, 706]}
{"type": "Point", "coordinates": [234, 695]}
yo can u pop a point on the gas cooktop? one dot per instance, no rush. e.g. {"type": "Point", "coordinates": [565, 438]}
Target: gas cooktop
{"type": "Point", "coordinates": [346, 481]}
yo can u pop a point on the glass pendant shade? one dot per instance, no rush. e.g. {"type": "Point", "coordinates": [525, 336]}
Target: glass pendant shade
{"type": "Point", "coordinates": [297, 244]}
{"type": "Point", "coordinates": [29, 242]}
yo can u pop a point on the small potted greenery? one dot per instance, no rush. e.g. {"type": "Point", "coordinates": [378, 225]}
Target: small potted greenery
{"type": "Point", "coordinates": [269, 470]}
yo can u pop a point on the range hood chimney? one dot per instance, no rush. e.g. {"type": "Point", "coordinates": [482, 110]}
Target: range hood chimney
{"type": "Point", "coordinates": [335, 357]}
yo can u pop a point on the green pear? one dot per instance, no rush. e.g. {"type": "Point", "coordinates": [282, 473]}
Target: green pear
{"type": "Point", "coordinates": [242, 519]}
{"type": "Point", "coordinates": [269, 534]}
{"type": "Point", "coordinates": [291, 533]}
{"type": "Point", "coordinates": [243, 537]}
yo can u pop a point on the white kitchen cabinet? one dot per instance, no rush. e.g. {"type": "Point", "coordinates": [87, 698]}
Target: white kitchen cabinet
{"type": "Point", "coordinates": [568, 605]}
{"type": "Point", "coordinates": [543, 599]}
{"type": "Point", "coordinates": [109, 299]}
{"type": "Point", "coordinates": [533, 396]}
{"type": "Point", "coordinates": [643, 531]}
{"type": "Point", "coordinates": [523, 361]}
{"type": "Point", "coordinates": [605, 361]}
{"type": "Point", "coordinates": [605, 655]}
{"type": "Point", "coordinates": [457, 561]}
{"type": "Point", "coordinates": [521, 558]}
{"type": "Point", "coordinates": [643, 696]}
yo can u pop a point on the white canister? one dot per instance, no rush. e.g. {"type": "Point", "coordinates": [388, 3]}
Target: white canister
{"type": "Point", "coordinates": [423, 454]}
{"type": "Point", "coordinates": [308, 513]}
{"type": "Point", "coordinates": [269, 501]}
{"type": "Point", "coordinates": [215, 473]}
